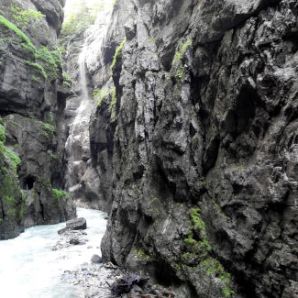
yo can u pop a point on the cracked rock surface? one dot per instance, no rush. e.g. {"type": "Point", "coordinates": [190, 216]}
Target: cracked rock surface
{"type": "Point", "coordinates": [199, 163]}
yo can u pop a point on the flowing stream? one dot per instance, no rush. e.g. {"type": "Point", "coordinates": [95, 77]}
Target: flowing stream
{"type": "Point", "coordinates": [29, 268]}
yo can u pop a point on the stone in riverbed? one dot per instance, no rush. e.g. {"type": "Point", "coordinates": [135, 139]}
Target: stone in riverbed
{"type": "Point", "coordinates": [96, 259]}
{"type": "Point", "coordinates": [74, 224]}
{"type": "Point", "coordinates": [75, 241]}
{"type": "Point", "coordinates": [77, 224]}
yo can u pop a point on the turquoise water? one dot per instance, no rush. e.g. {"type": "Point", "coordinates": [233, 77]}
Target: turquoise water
{"type": "Point", "coordinates": [29, 268]}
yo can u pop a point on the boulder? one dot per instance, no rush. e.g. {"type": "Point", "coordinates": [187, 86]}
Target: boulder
{"type": "Point", "coordinates": [96, 259]}
{"type": "Point", "coordinates": [76, 224]}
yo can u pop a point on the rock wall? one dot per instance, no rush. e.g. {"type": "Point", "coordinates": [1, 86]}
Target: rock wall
{"type": "Point", "coordinates": [197, 150]}
{"type": "Point", "coordinates": [32, 109]}
{"type": "Point", "coordinates": [82, 44]}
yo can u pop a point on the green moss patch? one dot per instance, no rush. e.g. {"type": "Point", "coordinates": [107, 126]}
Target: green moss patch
{"type": "Point", "coordinates": [48, 129]}
{"type": "Point", "coordinates": [199, 253]}
{"type": "Point", "coordinates": [118, 54]}
{"type": "Point", "coordinates": [23, 17]}
{"type": "Point", "coordinates": [46, 61]}
{"type": "Point", "coordinates": [12, 27]}
{"type": "Point", "coordinates": [59, 194]}
{"type": "Point", "coordinates": [104, 95]}
{"type": "Point", "coordinates": [177, 61]}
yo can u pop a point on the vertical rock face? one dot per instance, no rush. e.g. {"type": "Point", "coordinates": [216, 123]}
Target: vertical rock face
{"type": "Point", "coordinates": [199, 152]}
{"type": "Point", "coordinates": [32, 110]}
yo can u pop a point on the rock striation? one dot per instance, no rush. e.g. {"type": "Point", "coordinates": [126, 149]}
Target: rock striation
{"type": "Point", "coordinates": [196, 144]}
{"type": "Point", "coordinates": [32, 110]}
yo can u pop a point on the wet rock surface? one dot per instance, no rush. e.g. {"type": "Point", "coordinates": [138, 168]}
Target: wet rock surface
{"type": "Point", "coordinates": [77, 224]}
{"type": "Point", "coordinates": [32, 112]}
{"type": "Point", "coordinates": [199, 155]}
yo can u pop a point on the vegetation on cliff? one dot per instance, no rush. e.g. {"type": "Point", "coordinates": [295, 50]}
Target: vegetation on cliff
{"type": "Point", "coordinates": [45, 60]}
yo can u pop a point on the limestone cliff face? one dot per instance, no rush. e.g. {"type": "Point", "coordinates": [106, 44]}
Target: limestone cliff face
{"type": "Point", "coordinates": [197, 150]}
{"type": "Point", "coordinates": [32, 111]}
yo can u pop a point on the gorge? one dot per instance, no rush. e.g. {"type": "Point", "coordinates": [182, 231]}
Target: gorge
{"type": "Point", "coordinates": [177, 118]}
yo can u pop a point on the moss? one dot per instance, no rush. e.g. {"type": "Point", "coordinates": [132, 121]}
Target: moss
{"type": "Point", "coordinates": [179, 55]}
{"type": "Point", "coordinates": [10, 193]}
{"type": "Point", "coordinates": [9, 187]}
{"type": "Point", "coordinates": [12, 27]}
{"type": "Point", "coordinates": [102, 95]}
{"type": "Point", "coordinates": [181, 51]}
{"type": "Point", "coordinates": [189, 240]}
{"type": "Point", "coordinates": [67, 81]}
{"type": "Point", "coordinates": [45, 61]}
{"type": "Point", "coordinates": [212, 267]}
{"type": "Point", "coordinates": [13, 158]}
{"type": "Point", "coordinates": [59, 194]}
{"type": "Point", "coordinates": [180, 73]}
{"type": "Point", "coordinates": [23, 17]}
{"type": "Point", "coordinates": [198, 223]}
{"type": "Point", "coordinates": [199, 252]}
{"type": "Point", "coordinates": [50, 60]}
{"type": "Point", "coordinates": [38, 67]}
{"type": "Point", "coordinates": [142, 255]}
{"type": "Point", "coordinates": [2, 133]}
{"type": "Point", "coordinates": [48, 129]}
{"type": "Point", "coordinates": [118, 54]}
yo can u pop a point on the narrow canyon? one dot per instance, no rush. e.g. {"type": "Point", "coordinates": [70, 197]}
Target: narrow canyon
{"type": "Point", "coordinates": [170, 126]}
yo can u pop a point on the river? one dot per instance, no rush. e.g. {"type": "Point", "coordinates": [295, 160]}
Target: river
{"type": "Point", "coordinates": [29, 268]}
